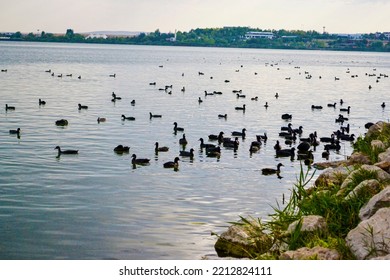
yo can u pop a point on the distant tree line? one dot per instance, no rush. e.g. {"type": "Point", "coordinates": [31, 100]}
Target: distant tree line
{"type": "Point", "coordinates": [225, 37]}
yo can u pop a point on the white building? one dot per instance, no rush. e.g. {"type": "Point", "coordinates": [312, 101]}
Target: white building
{"type": "Point", "coordinates": [96, 36]}
{"type": "Point", "coordinates": [259, 34]}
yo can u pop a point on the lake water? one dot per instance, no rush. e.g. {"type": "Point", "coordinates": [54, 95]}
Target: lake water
{"type": "Point", "coordinates": [95, 205]}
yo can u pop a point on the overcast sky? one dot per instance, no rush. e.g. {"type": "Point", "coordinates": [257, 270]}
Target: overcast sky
{"type": "Point", "coordinates": [337, 16]}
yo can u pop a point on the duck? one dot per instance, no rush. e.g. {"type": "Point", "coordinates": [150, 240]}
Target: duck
{"type": "Point", "coordinates": [61, 122]}
{"type": "Point", "coordinates": [128, 118]}
{"type": "Point", "coordinates": [140, 161]}
{"type": "Point", "coordinates": [66, 152]}
{"type": "Point", "coordinates": [205, 145]}
{"type": "Point", "coordinates": [276, 95]}
{"type": "Point", "coordinates": [132, 102]}
{"type": "Point", "coordinates": [303, 146]}
{"type": "Point", "coordinates": [316, 107]}
{"type": "Point", "coordinates": [187, 153]}
{"type": "Point", "coordinates": [383, 105]}
{"type": "Point", "coordinates": [15, 131]}
{"type": "Point", "coordinates": [263, 137]}
{"type": "Point", "coordinates": [208, 93]}
{"type": "Point", "coordinates": [286, 152]}
{"type": "Point", "coordinates": [228, 143]}
{"type": "Point", "coordinates": [345, 109]}
{"type": "Point", "coordinates": [176, 128]}
{"type": "Point", "coordinates": [152, 83]}
{"type": "Point", "coordinates": [172, 164]}
{"type": "Point", "coordinates": [79, 77]}
{"type": "Point", "coordinates": [266, 105]}
{"type": "Point", "coordinates": [255, 147]}
{"type": "Point", "coordinates": [277, 146]}
{"type": "Point", "coordinates": [154, 116]}
{"type": "Point", "coordinates": [218, 137]}
{"type": "Point", "coordinates": [160, 149]}
{"type": "Point", "coordinates": [99, 119]}
{"type": "Point", "coordinates": [240, 95]}
{"type": "Point", "coordinates": [183, 140]}
{"type": "Point", "coordinates": [200, 100]}
{"type": "Point", "coordinates": [286, 116]}
{"type": "Point", "coordinates": [255, 98]}
{"type": "Point", "coordinates": [215, 152]}
{"type": "Point", "coordinates": [42, 102]}
{"type": "Point", "coordinates": [120, 149]}
{"type": "Point", "coordinates": [82, 106]}
{"type": "Point", "coordinates": [332, 105]}
{"type": "Point", "coordinates": [270, 171]}
{"type": "Point", "coordinates": [9, 107]}
{"type": "Point", "coordinates": [112, 75]}
{"type": "Point", "coordinates": [222, 116]}
{"type": "Point", "coordinates": [238, 133]}
{"type": "Point", "coordinates": [241, 108]}
{"type": "Point", "coordinates": [325, 154]}
{"type": "Point", "coordinates": [333, 146]}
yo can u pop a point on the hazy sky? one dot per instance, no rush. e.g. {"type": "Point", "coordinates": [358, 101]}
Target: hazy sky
{"type": "Point", "coordinates": [338, 16]}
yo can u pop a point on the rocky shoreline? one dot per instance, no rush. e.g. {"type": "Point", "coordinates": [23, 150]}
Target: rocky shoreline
{"type": "Point", "coordinates": [345, 214]}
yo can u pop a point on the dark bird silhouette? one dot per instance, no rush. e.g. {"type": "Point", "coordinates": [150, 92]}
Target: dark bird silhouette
{"type": "Point", "coordinates": [241, 108]}
{"type": "Point", "coordinates": [205, 145]}
{"type": "Point", "coordinates": [140, 161]}
{"type": "Point", "coordinates": [172, 164]}
{"type": "Point", "coordinates": [270, 171]}
{"type": "Point", "coordinates": [120, 149]}
{"type": "Point", "coordinates": [15, 131]}
{"type": "Point", "coordinates": [66, 152]}
{"type": "Point", "coordinates": [189, 153]}
{"type": "Point", "coordinates": [160, 149]}
{"type": "Point", "coordinates": [177, 128]}
{"type": "Point", "coordinates": [114, 97]}
{"type": "Point", "coordinates": [99, 119]}
{"type": "Point", "coordinates": [61, 122]}
{"type": "Point", "coordinates": [154, 116]}
{"type": "Point", "coordinates": [42, 102]}
{"type": "Point", "coordinates": [82, 106]}
{"type": "Point", "coordinates": [222, 116]}
{"type": "Point", "coordinates": [183, 140]}
{"type": "Point", "coordinates": [238, 133]}
{"type": "Point", "coordinates": [9, 107]}
{"type": "Point", "coordinates": [128, 118]}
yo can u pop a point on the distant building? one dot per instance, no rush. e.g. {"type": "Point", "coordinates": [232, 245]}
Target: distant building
{"type": "Point", "coordinates": [96, 36]}
{"type": "Point", "coordinates": [259, 34]}
{"type": "Point", "coordinates": [387, 35]}
{"type": "Point", "coordinates": [357, 36]}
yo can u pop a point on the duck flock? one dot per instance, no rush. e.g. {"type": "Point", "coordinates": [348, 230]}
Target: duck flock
{"type": "Point", "coordinates": [291, 140]}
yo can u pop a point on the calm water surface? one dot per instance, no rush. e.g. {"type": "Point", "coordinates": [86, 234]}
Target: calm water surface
{"type": "Point", "coordinates": [95, 205]}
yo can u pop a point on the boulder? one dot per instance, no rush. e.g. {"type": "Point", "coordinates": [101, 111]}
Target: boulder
{"type": "Point", "coordinates": [309, 223]}
{"type": "Point", "coordinates": [375, 129]}
{"type": "Point", "coordinates": [384, 156]}
{"type": "Point", "coordinates": [332, 176]}
{"type": "Point", "coordinates": [358, 158]}
{"type": "Point", "coordinates": [378, 201]}
{"type": "Point", "coordinates": [237, 242]}
{"type": "Point", "coordinates": [378, 144]}
{"type": "Point", "coordinates": [384, 165]}
{"type": "Point", "coordinates": [368, 186]}
{"type": "Point", "coordinates": [316, 253]}
{"type": "Point", "coordinates": [371, 238]}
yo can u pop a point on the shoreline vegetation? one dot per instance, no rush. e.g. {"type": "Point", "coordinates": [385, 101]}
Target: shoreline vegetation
{"type": "Point", "coordinates": [226, 37]}
{"type": "Point", "coordinates": [344, 215]}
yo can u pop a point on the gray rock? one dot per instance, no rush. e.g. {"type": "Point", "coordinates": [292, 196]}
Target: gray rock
{"type": "Point", "coordinates": [384, 156]}
{"type": "Point", "coordinates": [316, 253]}
{"type": "Point", "coordinates": [368, 186]}
{"type": "Point", "coordinates": [358, 158]}
{"type": "Point", "coordinates": [237, 242]}
{"type": "Point", "coordinates": [371, 238]}
{"type": "Point", "coordinates": [378, 201]}
{"type": "Point", "coordinates": [309, 223]}
{"type": "Point", "coordinates": [375, 129]}
{"type": "Point", "coordinates": [332, 176]}
{"type": "Point", "coordinates": [378, 144]}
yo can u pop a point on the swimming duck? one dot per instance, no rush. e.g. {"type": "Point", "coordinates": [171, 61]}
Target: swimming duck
{"type": "Point", "coordinates": [266, 105]}
{"type": "Point", "coordinates": [61, 122]}
{"type": "Point", "coordinates": [218, 137]}
{"type": "Point", "coordinates": [214, 152]}
{"type": "Point", "coordinates": [140, 161]}
{"type": "Point", "coordinates": [15, 131]}
{"type": "Point", "coordinates": [345, 109]}
{"type": "Point", "coordinates": [203, 145]}
{"type": "Point", "coordinates": [120, 149]}
{"type": "Point", "coordinates": [183, 140]}
{"type": "Point", "coordinates": [66, 152]}
{"type": "Point", "coordinates": [255, 147]}
{"type": "Point", "coordinates": [42, 102]}
{"type": "Point", "coordinates": [172, 164]}
{"type": "Point", "coordinates": [240, 108]}
{"type": "Point", "coordinates": [270, 171]}
{"type": "Point", "coordinates": [286, 116]}
{"type": "Point", "coordinates": [132, 102]}
{"type": "Point", "coordinates": [82, 106]}
{"type": "Point", "coordinates": [99, 120]}
{"type": "Point", "coordinates": [325, 154]}
{"type": "Point", "coordinates": [187, 153]}
{"type": "Point", "coordinates": [200, 100]}
{"type": "Point", "coordinates": [332, 105]}
{"type": "Point", "coordinates": [160, 149]}
{"type": "Point", "coordinates": [263, 137]}
{"type": "Point", "coordinates": [240, 95]}
{"type": "Point", "coordinates": [238, 133]}
{"type": "Point", "coordinates": [222, 116]}
{"type": "Point", "coordinates": [277, 146]}
{"type": "Point", "coordinates": [383, 105]}
{"type": "Point", "coordinates": [255, 98]}
{"type": "Point", "coordinates": [115, 97]}
{"type": "Point", "coordinates": [176, 128]}
{"type": "Point", "coordinates": [128, 118]}
{"type": "Point", "coordinates": [113, 75]}
{"type": "Point", "coordinates": [154, 116]}
{"type": "Point", "coordinates": [286, 152]}
{"type": "Point", "coordinates": [9, 107]}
